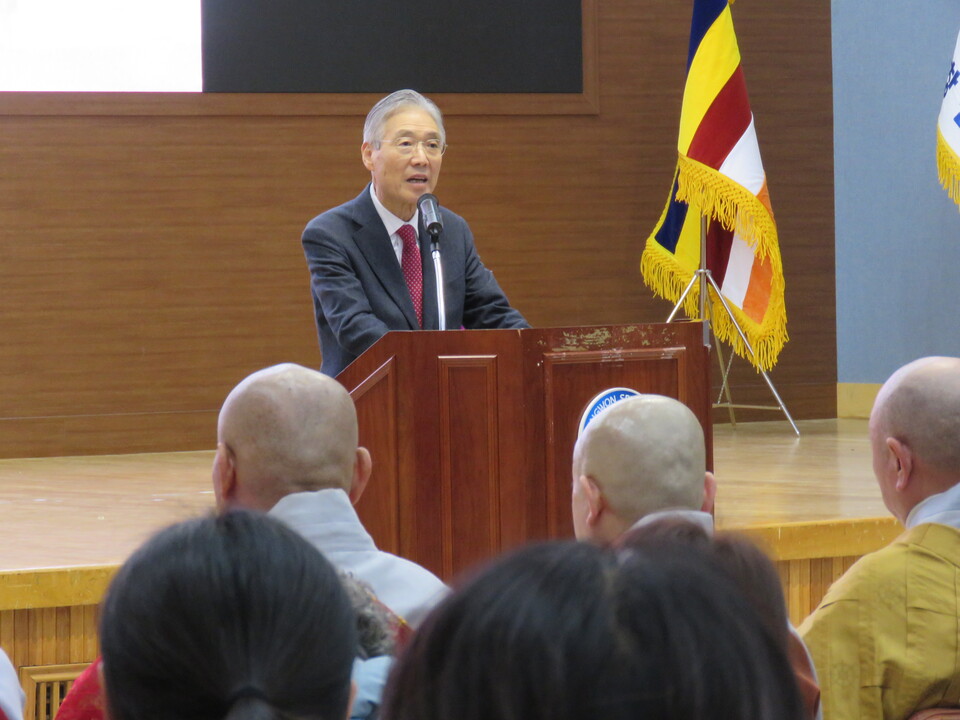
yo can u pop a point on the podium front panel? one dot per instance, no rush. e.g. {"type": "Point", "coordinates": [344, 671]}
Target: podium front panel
{"type": "Point", "coordinates": [471, 431]}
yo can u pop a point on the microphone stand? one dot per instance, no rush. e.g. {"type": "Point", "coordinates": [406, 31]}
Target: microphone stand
{"type": "Point", "coordinates": [433, 223]}
{"type": "Point", "coordinates": [438, 271]}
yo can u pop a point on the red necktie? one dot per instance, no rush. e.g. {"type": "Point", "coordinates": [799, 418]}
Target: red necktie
{"type": "Point", "coordinates": [412, 268]}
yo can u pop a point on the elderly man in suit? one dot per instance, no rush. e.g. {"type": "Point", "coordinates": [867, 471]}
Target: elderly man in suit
{"type": "Point", "coordinates": [369, 259]}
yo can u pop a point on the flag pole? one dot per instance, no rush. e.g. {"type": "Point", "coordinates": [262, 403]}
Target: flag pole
{"type": "Point", "coordinates": [725, 366]}
{"type": "Point", "coordinates": [703, 282]}
{"type": "Point", "coordinates": [705, 278]}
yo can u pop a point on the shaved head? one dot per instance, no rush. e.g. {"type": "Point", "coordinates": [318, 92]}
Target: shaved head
{"type": "Point", "coordinates": [289, 429]}
{"type": "Point", "coordinates": [920, 407]}
{"type": "Point", "coordinates": [645, 454]}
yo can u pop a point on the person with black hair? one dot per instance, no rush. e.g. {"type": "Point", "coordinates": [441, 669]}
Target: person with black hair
{"type": "Point", "coordinates": [234, 616]}
{"type": "Point", "coordinates": [754, 574]}
{"type": "Point", "coordinates": [642, 461]}
{"type": "Point", "coordinates": [572, 631]}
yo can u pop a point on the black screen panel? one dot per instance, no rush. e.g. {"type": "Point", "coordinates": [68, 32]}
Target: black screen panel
{"type": "Point", "coordinates": [377, 46]}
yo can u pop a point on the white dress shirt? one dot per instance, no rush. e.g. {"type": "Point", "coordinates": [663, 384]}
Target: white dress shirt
{"type": "Point", "coordinates": [392, 223]}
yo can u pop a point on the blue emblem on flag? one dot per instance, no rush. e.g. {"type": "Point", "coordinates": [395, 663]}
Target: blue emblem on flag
{"type": "Point", "coordinates": [601, 402]}
{"type": "Point", "coordinates": [953, 77]}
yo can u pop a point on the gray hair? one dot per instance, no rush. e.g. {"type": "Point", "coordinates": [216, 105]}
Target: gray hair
{"type": "Point", "coordinates": [393, 103]}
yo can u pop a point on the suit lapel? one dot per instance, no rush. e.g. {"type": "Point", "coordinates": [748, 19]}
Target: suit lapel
{"type": "Point", "coordinates": [372, 240]}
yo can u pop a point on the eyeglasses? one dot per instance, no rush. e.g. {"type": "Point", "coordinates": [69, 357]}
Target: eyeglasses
{"type": "Point", "coordinates": [408, 146]}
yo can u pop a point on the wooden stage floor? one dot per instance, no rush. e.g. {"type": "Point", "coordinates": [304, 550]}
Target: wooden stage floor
{"type": "Point", "coordinates": [91, 511]}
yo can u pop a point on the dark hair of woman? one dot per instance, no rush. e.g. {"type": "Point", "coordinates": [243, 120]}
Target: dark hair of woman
{"type": "Point", "coordinates": [570, 631]}
{"type": "Point", "coordinates": [233, 617]}
{"type": "Point", "coordinates": [735, 555]}
{"type": "Point", "coordinates": [666, 531]}
{"type": "Point", "coordinates": [753, 572]}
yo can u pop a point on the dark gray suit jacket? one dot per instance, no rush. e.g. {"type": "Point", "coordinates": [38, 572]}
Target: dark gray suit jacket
{"type": "Point", "coordinates": [358, 288]}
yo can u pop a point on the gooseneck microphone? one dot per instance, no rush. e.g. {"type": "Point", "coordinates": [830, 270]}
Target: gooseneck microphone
{"type": "Point", "coordinates": [429, 208]}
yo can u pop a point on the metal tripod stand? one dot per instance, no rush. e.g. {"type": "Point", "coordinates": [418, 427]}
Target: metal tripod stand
{"type": "Point", "coordinates": [705, 279]}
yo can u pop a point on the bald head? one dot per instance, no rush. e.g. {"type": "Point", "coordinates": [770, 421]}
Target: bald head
{"type": "Point", "coordinates": [644, 454]}
{"type": "Point", "coordinates": [918, 411]}
{"type": "Point", "coordinates": [287, 429]}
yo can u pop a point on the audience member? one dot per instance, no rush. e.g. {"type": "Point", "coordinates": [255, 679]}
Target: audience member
{"type": "Point", "coordinates": [379, 631]}
{"type": "Point", "coordinates": [572, 631]}
{"type": "Point", "coordinates": [886, 636]}
{"type": "Point", "coordinates": [234, 616]}
{"type": "Point", "coordinates": [287, 444]}
{"type": "Point", "coordinates": [641, 459]}
{"type": "Point", "coordinates": [753, 574]}
{"type": "Point", "coordinates": [11, 694]}
{"type": "Point", "coordinates": [84, 700]}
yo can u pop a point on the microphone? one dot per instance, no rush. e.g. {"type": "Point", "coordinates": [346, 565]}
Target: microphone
{"type": "Point", "coordinates": [429, 208]}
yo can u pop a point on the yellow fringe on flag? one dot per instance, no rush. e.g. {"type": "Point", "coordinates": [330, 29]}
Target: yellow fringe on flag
{"type": "Point", "coordinates": [668, 279]}
{"type": "Point", "coordinates": [735, 207]}
{"type": "Point", "coordinates": [948, 167]}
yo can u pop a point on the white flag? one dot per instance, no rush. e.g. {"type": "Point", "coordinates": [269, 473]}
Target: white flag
{"type": "Point", "coordinates": [948, 130]}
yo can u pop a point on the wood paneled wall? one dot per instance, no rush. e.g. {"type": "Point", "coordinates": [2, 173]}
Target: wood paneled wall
{"type": "Point", "coordinates": [150, 261]}
{"type": "Point", "coordinates": [810, 556]}
{"type": "Point", "coordinates": [50, 636]}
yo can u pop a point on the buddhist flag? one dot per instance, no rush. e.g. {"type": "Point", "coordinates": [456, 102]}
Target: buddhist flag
{"type": "Point", "coordinates": [719, 174]}
{"type": "Point", "coordinates": [948, 131]}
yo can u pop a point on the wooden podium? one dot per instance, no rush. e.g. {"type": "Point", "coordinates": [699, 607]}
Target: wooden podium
{"type": "Point", "coordinates": [472, 431]}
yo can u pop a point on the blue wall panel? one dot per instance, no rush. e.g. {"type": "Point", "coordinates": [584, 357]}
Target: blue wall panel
{"type": "Point", "coordinates": [897, 231]}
